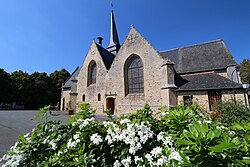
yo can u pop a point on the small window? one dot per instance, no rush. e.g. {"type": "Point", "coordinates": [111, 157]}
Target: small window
{"type": "Point", "coordinates": [83, 97]}
{"type": "Point", "coordinates": [99, 97]}
{"type": "Point", "coordinates": [188, 100]}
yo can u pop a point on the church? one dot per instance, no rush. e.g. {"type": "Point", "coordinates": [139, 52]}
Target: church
{"type": "Point", "coordinates": [124, 77]}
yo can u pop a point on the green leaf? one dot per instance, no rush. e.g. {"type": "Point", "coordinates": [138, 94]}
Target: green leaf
{"type": "Point", "coordinates": [237, 126]}
{"type": "Point", "coordinates": [221, 147]}
{"type": "Point", "coordinates": [124, 153]}
{"type": "Point", "coordinates": [184, 142]}
{"type": "Point", "coordinates": [197, 126]}
{"type": "Point", "coordinates": [204, 129]}
{"type": "Point", "coordinates": [193, 130]}
{"type": "Point", "coordinates": [210, 135]}
{"type": "Point", "coordinates": [187, 134]}
{"type": "Point", "coordinates": [246, 160]}
{"type": "Point", "coordinates": [185, 158]}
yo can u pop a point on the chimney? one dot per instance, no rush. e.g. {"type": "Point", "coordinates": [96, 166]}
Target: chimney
{"type": "Point", "coordinates": [99, 41]}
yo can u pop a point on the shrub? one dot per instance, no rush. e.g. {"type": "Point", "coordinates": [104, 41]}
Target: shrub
{"type": "Point", "coordinates": [229, 112]}
{"type": "Point", "coordinates": [177, 137]}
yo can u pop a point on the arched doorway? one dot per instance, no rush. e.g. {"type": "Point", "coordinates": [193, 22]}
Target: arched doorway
{"type": "Point", "coordinates": [111, 104]}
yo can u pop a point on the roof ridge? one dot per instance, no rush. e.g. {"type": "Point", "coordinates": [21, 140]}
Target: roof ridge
{"type": "Point", "coordinates": [198, 44]}
{"type": "Point", "coordinates": [168, 50]}
{"type": "Point", "coordinates": [202, 43]}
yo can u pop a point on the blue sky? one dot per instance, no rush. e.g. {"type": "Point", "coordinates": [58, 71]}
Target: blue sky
{"type": "Point", "coordinates": [48, 35]}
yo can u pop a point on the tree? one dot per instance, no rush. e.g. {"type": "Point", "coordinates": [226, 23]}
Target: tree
{"type": "Point", "coordinates": [34, 90]}
{"type": "Point", "coordinates": [5, 87]}
{"type": "Point", "coordinates": [57, 79]}
{"type": "Point", "coordinates": [20, 83]}
{"type": "Point", "coordinates": [245, 70]}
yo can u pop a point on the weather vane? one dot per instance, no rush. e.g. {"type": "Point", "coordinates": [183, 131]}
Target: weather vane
{"type": "Point", "coordinates": [111, 4]}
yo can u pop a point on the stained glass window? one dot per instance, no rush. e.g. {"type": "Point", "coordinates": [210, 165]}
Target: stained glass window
{"type": "Point", "coordinates": [134, 75]}
{"type": "Point", "coordinates": [92, 73]}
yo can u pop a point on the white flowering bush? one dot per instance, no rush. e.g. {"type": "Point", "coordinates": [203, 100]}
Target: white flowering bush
{"type": "Point", "coordinates": [177, 137]}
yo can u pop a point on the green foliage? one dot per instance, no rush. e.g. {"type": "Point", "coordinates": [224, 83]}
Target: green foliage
{"type": "Point", "coordinates": [57, 78]}
{"type": "Point", "coordinates": [84, 113]}
{"type": "Point", "coordinates": [33, 90]}
{"type": "Point", "coordinates": [176, 137]}
{"type": "Point", "coordinates": [245, 70]}
{"type": "Point", "coordinates": [5, 87]}
{"type": "Point", "coordinates": [229, 112]}
{"type": "Point", "coordinates": [109, 113]}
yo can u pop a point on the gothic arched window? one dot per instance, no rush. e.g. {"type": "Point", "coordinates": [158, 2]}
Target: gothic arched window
{"type": "Point", "coordinates": [92, 73]}
{"type": "Point", "coordinates": [134, 82]}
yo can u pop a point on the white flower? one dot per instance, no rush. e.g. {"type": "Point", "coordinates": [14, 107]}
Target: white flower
{"type": "Point", "coordinates": [76, 136]}
{"type": "Point", "coordinates": [161, 136]}
{"type": "Point", "coordinates": [156, 151]}
{"type": "Point", "coordinates": [71, 144]}
{"type": "Point", "coordinates": [29, 139]}
{"type": "Point", "coordinates": [53, 144]}
{"type": "Point", "coordinates": [126, 162]}
{"type": "Point", "coordinates": [175, 155]}
{"type": "Point", "coordinates": [149, 157]}
{"type": "Point", "coordinates": [220, 127]}
{"type": "Point", "coordinates": [124, 121]}
{"type": "Point", "coordinates": [166, 139]}
{"type": "Point", "coordinates": [96, 139]}
{"type": "Point", "coordinates": [107, 123]}
{"type": "Point", "coordinates": [46, 140]}
{"type": "Point", "coordinates": [161, 161]}
{"type": "Point", "coordinates": [164, 113]}
{"type": "Point", "coordinates": [132, 150]}
{"type": "Point", "coordinates": [117, 164]}
{"type": "Point", "coordinates": [138, 159]}
{"type": "Point", "coordinates": [207, 121]}
{"type": "Point", "coordinates": [59, 153]}
{"type": "Point", "coordinates": [27, 134]}
{"type": "Point", "coordinates": [231, 132]}
{"type": "Point", "coordinates": [58, 138]}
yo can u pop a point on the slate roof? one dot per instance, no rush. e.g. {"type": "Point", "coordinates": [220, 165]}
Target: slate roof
{"type": "Point", "coordinates": [107, 57]}
{"type": "Point", "coordinates": [68, 82]}
{"type": "Point", "coordinates": [203, 81]}
{"type": "Point", "coordinates": [207, 56]}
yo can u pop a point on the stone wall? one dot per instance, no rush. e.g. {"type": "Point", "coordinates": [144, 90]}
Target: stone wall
{"type": "Point", "coordinates": [66, 97]}
{"type": "Point", "coordinates": [199, 97]}
{"type": "Point", "coordinates": [228, 95]}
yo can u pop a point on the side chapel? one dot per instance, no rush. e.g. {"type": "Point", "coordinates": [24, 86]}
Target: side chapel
{"type": "Point", "coordinates": [124, 77]}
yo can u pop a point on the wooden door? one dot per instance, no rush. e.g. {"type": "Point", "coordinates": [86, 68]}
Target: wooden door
{"type": "Point", "coordinates": [214, 97]}
{"type": "Point", "coordinates": [111, 104]}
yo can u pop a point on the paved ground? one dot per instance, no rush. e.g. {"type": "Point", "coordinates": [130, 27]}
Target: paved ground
{"type": "Point", "coordinates": [15, 123]}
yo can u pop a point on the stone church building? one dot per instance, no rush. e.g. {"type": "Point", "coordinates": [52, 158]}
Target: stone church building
{"type": "Point", "coordinates": [124, 77]}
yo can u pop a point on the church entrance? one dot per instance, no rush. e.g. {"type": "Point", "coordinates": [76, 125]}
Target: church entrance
{"type": "Point", "coordinates": [111, 104]}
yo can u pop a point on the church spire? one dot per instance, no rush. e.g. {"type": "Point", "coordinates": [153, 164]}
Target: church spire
{"type": "Point", "coordinates": [114, 44]}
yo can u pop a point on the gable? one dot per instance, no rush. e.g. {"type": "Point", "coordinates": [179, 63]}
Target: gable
{"type": "Point", "coordinates": [201, 57]}
{"type": "Point", "coordinates": [135, 43]}
{"type": "Point", "coordinates": [107, 57]}
{"type": "Point", "coordinates": [68, 82]}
